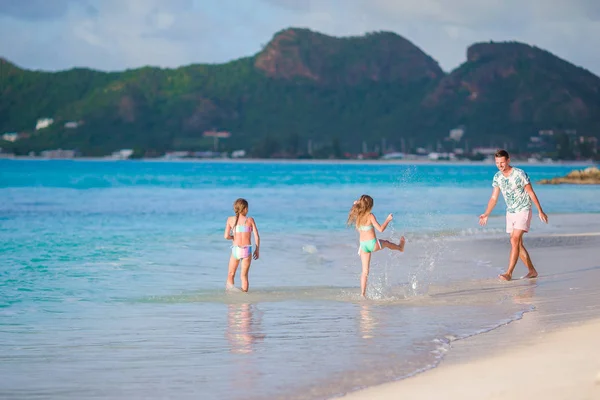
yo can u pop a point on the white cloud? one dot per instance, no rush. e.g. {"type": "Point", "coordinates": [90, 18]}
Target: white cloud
{"type": "Point", "coordinates": [118, 34]}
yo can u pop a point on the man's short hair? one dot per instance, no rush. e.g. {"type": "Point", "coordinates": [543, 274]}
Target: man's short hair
{"type": "Point", "coordinates": [502, 153]}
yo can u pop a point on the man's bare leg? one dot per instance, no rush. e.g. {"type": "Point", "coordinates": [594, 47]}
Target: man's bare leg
{"type": "Point", "coordinates": [365, 258]}
{"type": "Point", "coordinates": [524, 256]}
{"type": "Point", "coordinates": [394, 246]}
{"type": "Point", "coordinates": [516, 241]}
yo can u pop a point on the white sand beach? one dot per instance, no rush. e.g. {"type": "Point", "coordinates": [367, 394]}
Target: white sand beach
{"type": "Point", "coordinates": [559, 365]}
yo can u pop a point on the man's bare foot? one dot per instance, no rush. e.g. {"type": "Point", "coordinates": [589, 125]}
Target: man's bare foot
{"type": "Point", "coordinates": [505, 277]}
{"type": "Point", "coordinates": [531, 274]}
{"type": "Point", "coordinates": [402, 243]}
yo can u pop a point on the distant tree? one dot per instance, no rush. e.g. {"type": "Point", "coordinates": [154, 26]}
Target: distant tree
{"type": "Point", "coordinates": [293, 146]}
{"type": "Point", "coordinates": [586, 149]}
{"type": "Point", "coordinates": [564, 151]}
{"type": "Point", "coordinates": [336, 149]}
{"type": "Point", "coordinates": [266, 147]}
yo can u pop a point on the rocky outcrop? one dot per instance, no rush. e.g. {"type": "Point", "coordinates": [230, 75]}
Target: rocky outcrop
{"type": "Point", "coordinates": [374, 57]}
{"type": "Point", "coordinates": [588, 176]}
{"type": "Point", "coordinates": [8, 68]}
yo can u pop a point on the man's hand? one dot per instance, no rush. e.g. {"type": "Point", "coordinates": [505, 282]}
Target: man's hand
{"type": "Point", "coordinates": [483, 219]}
{"type": "Point", "coordinates": [543, 217]}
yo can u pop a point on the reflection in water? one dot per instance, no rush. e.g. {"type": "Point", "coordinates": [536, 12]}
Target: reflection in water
{"type": "Point", "coordinates": [525, 295]}
{"type": "Point", "coordinates": [243, 332]}
{"type": "Point", "coordinates": [367, 322]}
{"type": "Point", "coordinates": [243, 328]}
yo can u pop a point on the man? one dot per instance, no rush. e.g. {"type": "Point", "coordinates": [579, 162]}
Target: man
{"type": "Point", "coordinates": [518, 195]}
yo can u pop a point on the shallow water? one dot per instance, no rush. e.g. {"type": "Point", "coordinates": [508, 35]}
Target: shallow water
{"type": "Point", "coordinates": [112, 275]}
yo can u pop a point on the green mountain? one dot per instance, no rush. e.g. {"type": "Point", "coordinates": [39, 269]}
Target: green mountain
{"type": "Point", "coordinates": [335, 92]}
{"type": "Point", "coordinates": [512, 90]}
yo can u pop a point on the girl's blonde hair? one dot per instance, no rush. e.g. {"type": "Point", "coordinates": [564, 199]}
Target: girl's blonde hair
{"type": "Point", "coordinates": [238, 207]}
{"type": "Point", "coordinates": [360, 210]}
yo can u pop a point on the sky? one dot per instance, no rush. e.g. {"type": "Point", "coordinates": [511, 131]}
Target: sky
{"type": "Point", "coordinates": [114, 35]}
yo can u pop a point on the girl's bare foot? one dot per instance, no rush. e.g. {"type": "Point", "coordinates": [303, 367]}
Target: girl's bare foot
{"type": "Point", "coordinates": [230, 288]}
{"type": "Point", "coordinates": [505, 277]}
{"type": "Point", "coordinates": [402, 242]}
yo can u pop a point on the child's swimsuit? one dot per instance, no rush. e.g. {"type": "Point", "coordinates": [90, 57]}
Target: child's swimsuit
{"type": "Point", "coordinates": [240, 252]}
{"type": "Point", "coordinates": [368, 246]}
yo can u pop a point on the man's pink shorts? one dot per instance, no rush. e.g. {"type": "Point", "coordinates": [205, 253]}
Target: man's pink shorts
{"type": "Point", "coordinates": [519, 220]}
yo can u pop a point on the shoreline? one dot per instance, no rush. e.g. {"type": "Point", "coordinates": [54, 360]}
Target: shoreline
{"type": "Point", "coordinates": [555, 365]}
{"type": "Point", "coordinates": [570, 163]}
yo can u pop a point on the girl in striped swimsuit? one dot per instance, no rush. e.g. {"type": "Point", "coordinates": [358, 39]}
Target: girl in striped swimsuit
{"type": "Point", "coordinates": [239, 229]}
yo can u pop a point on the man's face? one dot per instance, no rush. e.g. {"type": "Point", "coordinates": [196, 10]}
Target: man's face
{"type": "Point", "coordinates": [502, 163]}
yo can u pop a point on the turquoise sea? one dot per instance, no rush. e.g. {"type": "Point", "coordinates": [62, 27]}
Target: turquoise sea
{"type": "Point", "coordinates": [112, 275]}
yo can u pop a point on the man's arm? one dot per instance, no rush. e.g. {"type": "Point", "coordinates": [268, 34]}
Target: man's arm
{"type": "Point", "coordinates": [533, 197]}
{"type": "Point", "coordinates": [491, 204]}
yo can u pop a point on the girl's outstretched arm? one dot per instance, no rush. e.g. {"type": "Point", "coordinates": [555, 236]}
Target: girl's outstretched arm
{"type": "Point", "coordinates": [256, 239]}
{"type": "Point", "coordinates": [227, 234]}
{"type": "Point", "coordinates": [381, 227]}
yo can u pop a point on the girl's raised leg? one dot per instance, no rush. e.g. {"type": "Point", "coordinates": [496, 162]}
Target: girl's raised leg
{"type": "Point", "coordinates": [393, 246]}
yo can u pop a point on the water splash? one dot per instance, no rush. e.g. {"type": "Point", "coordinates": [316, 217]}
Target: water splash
{"type": "Point", "coordinates": [310, 249]}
